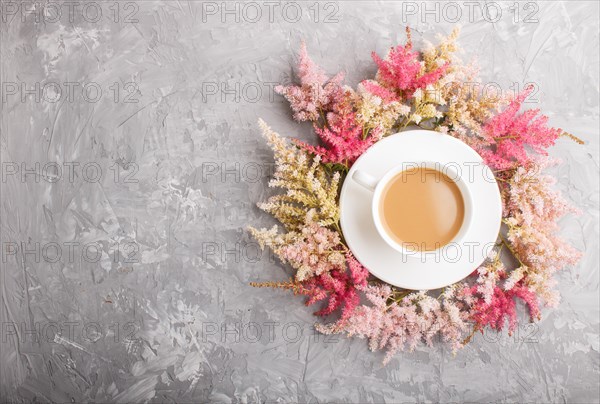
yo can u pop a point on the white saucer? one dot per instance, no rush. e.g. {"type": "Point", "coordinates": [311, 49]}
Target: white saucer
{"type": "Point", "coordinates": [435, 270]}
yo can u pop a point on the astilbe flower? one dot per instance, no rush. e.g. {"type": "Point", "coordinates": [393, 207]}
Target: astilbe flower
{"type": "Point", "coordinates": [403, 79]}
{"type": "Point", "coordinates": [515, 276]}
{"type": "Point", "coordinates": [307, 185]}
{"type": "Point", "coordinates": [501, 308]}
{"type": "Point", "coordinates": [339, 288]}
{"type": "Point", "coordinates": [374, 88]}
{"type": "Point", "coordinates": [397, 323]}
{"type": "Point", "coordinates": [488, 275]}
{"type": "Point", "coordinates": [532, 209]}
{"type": "Point", "coordinates": [468, 105]}
{"type": "Point", "coordinates": [312, 250]}
{"type": "Point", "coordinates": [491, 305]}
{"type": "Point", "coordinates": [529, 194]}
{"type": "Point", "coordinates": [444, 53]}
{"type": "Point", "coordinates": [460, 95]}
{"type": "Point", "coordinates": [542, 254]}
{"type": "Point", "coordinates": [316, 93]}
{"type": "Point", "coordinates": [326, 269]}
{"type": "Point", "coordinates": [401, 73]}
{"type": "Point", "coordinates": [372, 112]}
{"type": "Point", "coordinates": [343, 137]}
{"type": "Point", "coordinates": [513, 134]}
{"type": "Point", "coordinates": [315, 250]}
{"type": "Point", "coordinates": [425, 105]}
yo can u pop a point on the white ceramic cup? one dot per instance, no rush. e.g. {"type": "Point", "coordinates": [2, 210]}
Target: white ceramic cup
{"type": "Point", "coordinates": [378, 186]}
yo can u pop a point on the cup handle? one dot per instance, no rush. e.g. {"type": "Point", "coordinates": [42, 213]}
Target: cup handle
{"type": "Point", "coordinates": [365, 180]}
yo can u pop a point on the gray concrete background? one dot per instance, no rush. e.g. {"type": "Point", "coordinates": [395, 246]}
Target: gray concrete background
{"type": "Point", "coordinates": [165, 186]}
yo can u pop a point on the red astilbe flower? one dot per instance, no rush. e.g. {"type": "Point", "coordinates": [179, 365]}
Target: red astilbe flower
{"type": "Point", "coordinates": [316, 92]}
{"type": "Point", "coordinates": [339, 288]}
{"type": "Point", "coordinates": [401, 73]}
{"type": "Point", "coordinates": [502, 307]}
{"type": "Point", "coordinates": [342, 138]}
{"type": "Point", "coordinates": [512, 134]}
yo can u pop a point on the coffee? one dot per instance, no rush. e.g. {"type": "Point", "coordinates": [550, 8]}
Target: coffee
{"type": "Point", "coordinates": [422, 208]}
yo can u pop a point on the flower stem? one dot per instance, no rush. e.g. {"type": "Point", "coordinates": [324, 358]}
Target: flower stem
{"type": "Point", "coordinates": [501, 138]}
{"type": "Point", "coordinates": [573, 137]}
{"type": "Point", "coordinates": [404, 125]}
{"type": "Point", "coordinates": [339, 230]}
{"type": "Point", "coordinates": [512, 251]}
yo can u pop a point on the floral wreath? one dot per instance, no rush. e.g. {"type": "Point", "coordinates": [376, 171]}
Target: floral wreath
{"type": "Point", "coordinates": [426, 89]}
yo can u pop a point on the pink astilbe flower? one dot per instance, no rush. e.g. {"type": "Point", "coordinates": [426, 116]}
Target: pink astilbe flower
{"type": "Point", "coordinates": [342, 138]}
{"type": "Point", "coordinates": [397, 325]}
{"type": "Point", "coordinates": [543, 253]}
{"type": "Point", "coordinates": [531, 197]}
{"type": "Point", "coordinates": [502, 307]}
{"type": "Point", "coordinates": [532, 209]}
{"type": "Point", "coordinates": [402, 73]}
{"type": "Point", "coordinates": [539, 246]}
{"type": "Point", "coordinates": [378, 90]}
{"type": "Point", "coordinates": [316, 93]}
{"type": "Point", "coordinates": [488, 275]}
{"type": "Point", "coordinates": [314, 251]}
{"type": "Point", "coordinates": [340, 289]}
{"type": "Point", "coordinates": [512, 134]}
{"type": "Point", "coordinates": [358, 273]}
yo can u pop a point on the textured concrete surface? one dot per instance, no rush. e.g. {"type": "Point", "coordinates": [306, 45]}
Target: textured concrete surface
{"type": "Point", "coordinates": [125, 266]}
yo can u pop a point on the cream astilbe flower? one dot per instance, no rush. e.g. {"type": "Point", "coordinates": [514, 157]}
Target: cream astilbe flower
{"type": "Point", "coordinates": [425, 105]}
{"type": "Point", "coordinates": [443, 53]}
{"type": "Point", "coordinates": [515, 276]}
{"type": "Point", "coordinates": [307, 185]}
{"type": "Point", "coordinates": [373, 112]}
{"type": "Point", "coordinates": [467, 102]}
{"type": "Point", "coordinates": [470, 104]}
{"type": "Point", "coordinates": [488, 275]}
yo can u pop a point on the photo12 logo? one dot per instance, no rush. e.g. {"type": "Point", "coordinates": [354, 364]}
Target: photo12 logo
{"type": "Point", "coordinates": [292, 332]}
{"type": "Point", "coordinates": [68, 171]}
{"type": "Point", "coordinates": [266, 332]}
{"type": "Point", "coordinates": [62, 12]}
{"type": "Point", "coordinates": [250, 92]}
{"type": "Point", "coordinates": [490, 89]}
{"type": "Point", "coordinates": [69, 252]}
{"type": "Point", "coordinates": [269, 11]}
{"type": "Point", "coordinates": [469, 11]}
{"type": "Point", "coordinates": [69, 91]}
{"type": "Point", "coordinates": [235, 171]}
{"type": "Point", "coordinates": [59, 332]}
{"type": "Point", "coordinates": [237, 252]}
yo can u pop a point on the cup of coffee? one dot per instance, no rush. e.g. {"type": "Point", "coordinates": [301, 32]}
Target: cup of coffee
{"type": "Point", "coordinates": [421, 207]}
